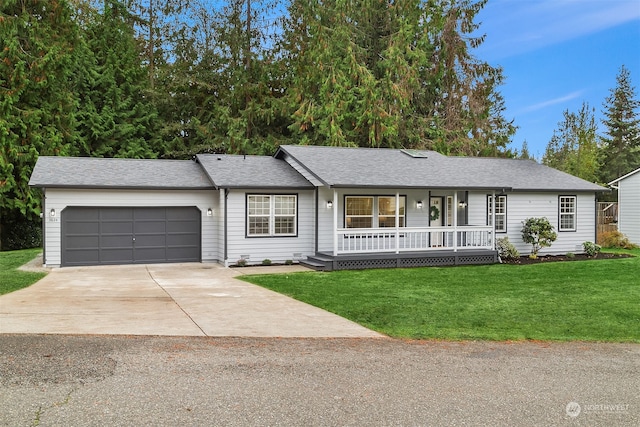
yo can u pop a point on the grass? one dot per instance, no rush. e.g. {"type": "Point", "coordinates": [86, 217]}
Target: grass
{"type": "Point", "coordinates": [595, 300]}
{"type": "Point", "coordinates": [12, 279]}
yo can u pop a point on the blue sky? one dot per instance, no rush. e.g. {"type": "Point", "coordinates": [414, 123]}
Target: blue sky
{"type": "Point", "coordinates": [557, 54]}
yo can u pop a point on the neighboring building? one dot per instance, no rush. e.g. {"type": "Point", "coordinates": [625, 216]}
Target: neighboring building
{"type": "Point", "coordinates": [326, 206]}
{"type": "Point", "coordinates": [628, 187]}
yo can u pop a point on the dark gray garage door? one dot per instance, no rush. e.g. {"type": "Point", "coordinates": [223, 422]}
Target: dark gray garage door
{"type": "Point", "coordinates": [125, 235]}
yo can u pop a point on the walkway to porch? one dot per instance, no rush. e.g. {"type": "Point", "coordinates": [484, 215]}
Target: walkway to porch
{"type": "Point", "coordinates": [438, 258]}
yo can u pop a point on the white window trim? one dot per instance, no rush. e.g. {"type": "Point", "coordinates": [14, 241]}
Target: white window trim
{"type": "Point", "coordinates": [573, 214]}
{"type": "Point", "coordinates": [498, 214]}
{"type": "Point", "coordinates": [272, 216]}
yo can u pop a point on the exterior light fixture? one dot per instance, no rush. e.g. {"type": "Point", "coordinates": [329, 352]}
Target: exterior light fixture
{"type": "Point", "coordinates": [209, 212]}
{"type": "Point", "coordinates": [419, 204]}
{"type": "Point", "coordinates": [52, 212]}
{"type": "Point", "coordinates": [462, 204]}
{"type": "Point", "coordinates": [329, 204]}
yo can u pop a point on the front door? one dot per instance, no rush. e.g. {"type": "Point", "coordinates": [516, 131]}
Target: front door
{"type": "Point", "coordinates": [436, 214]}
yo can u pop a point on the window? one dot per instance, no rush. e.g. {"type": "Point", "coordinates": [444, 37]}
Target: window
{"type": "Point", "coordinates": [271, 215]}
{"type": "Point", "coordinates": [501, 213]}
{"type": "Point", "coordinates": [373, 211]}
{"type": "Point", "coordinates": [359, 212]}
{"type": "Point", "coordinates": [387, 212]}
{"type": "Point", "coordinates": [567, 214]}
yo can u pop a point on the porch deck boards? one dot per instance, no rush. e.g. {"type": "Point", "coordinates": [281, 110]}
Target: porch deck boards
{"type": "Point", "coordinates": [323, 261]}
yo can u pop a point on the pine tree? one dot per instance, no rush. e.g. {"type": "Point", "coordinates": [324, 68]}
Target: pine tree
{"type": "Point", "coordinates": [37, 100]}
{"type": "Point", "coordinates": [573, 148]}
{"type": "Point", "coordinates": [379, 74]}
{"type": "Point", "coordinates": [116, 116]}
{"type": "Point", "coordinates": [620, 146]}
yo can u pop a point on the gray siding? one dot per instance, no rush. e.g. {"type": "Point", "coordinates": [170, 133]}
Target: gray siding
{"type": "Point", "coordinates": [59, 199]}
{"type": "Point", "coordinates": [277, 249]}
{"type": "Point", "coordinates": [629, 207]}
{"type": "Point", "coordinates": [521, 206]}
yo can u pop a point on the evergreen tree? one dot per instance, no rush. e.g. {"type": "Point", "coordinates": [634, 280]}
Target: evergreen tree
{"type": "Point", "coordinates": [379, 74]}
{"type": "Point", "coordinates": [38, 58]}
{"type": "Point", "coordinates": [524, 153]}
{"type": "Point", "coordinates": [573, 148]}
{"type": "Point", "coordinates": [620, 146]}
{"type": "Point", "coordinates": [116, 116]}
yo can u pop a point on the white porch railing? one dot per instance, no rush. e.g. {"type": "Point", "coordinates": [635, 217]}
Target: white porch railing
{"type": "Point", "coordinates": [366, 240]}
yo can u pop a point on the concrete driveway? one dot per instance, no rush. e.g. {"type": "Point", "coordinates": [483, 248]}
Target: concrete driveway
{"type": "Point", "coordinates": [190, 299]}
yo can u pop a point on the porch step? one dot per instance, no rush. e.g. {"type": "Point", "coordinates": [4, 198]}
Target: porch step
{"type": "Point", "coordinates": [312, 264]}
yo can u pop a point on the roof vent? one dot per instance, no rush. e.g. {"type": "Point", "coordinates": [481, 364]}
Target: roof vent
{"type": "Point", "coordinates": [417, 154]}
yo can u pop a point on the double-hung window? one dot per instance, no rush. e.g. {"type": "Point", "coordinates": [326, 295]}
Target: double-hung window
{"type": "Point", "coordinates": [567, 213]}
{"type": "Point", "coordinates": [373, 211]}
{"type": "Point", "coordinates": [501, 213]}
{"type": "Point", "coordinates": [271, 215]}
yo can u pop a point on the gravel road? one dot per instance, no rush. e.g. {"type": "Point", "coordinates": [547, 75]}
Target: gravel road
{"type": "Point", "coordinates": [58, 380]}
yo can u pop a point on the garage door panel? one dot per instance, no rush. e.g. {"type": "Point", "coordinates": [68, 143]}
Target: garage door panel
{"type": "Point", "coordinates": [116, 255]}
{"type": "Point", "coordinates": [127, 235]}
{"type": "Point", "coordinates": [151, 213]}
{"type": "Point", "coordinates": [83, 242]}
{"type": "Point", "coordinates": [84, 256]}
{"type": "Point", "coordinates": [116, 227]}
{"type": "Point", "coordinates": [150, 227]}
{"type": "Point", "coordinates": [183, 240]}
{"type": "Point", "coordinates": [151, 240]}
{"type": "Point", "coordinates": [116, 213]}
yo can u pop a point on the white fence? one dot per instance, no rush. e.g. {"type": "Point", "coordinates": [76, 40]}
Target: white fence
{"type": "Point", "coordinates": [366, 240]}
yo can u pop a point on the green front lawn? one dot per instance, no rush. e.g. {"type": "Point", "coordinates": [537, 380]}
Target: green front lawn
{"type": "Point", "coordinates": [564, 301]}
{"type": "Point", "coordinates": [12, 279]}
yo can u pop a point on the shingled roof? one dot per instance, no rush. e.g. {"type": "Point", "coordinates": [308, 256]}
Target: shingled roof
{"type": "Point", "coordinates": [91, 172]}
{"type": "Point", "coordinates": [234, 171]}
{"type": "Point", "coordinates": [389, 168]}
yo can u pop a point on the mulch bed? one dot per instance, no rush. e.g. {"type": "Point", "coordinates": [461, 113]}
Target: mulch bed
{"type": "Point", "coordinates": [556, 258]}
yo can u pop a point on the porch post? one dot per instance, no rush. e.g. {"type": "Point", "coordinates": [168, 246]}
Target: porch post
{"type": "Point", "coordinates": [455, 221]}
{"type": "Point", "coordinates": [398, 221]}
{"type": "Point", "coordinates": [335, 222]}
{"type": "Point", "coordinates": [493, 219]}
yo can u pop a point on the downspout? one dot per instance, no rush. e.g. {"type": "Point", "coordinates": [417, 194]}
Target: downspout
{"type": "Point", "coordinates": [226, 195]}
{"type": "Point", "coordinates": [335, 222]}
{"type": "Point", "coordinates": [44, 226]}
{"type": "Point", "coordinates": [317, 220]}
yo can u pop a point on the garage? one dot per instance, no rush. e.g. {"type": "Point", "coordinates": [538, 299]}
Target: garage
{"type": "Point", "coordinates": [130, 235]}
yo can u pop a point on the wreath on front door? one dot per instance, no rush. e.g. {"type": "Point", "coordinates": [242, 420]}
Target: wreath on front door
{"type": "Point", "coordinates": [434, 213]}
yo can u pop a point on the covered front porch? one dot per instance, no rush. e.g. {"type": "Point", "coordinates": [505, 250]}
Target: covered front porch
{"type": "Point", "coordinates": [443, 236]}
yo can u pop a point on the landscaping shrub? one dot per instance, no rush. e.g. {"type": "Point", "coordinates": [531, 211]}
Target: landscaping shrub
{"type": "Point", "coordinates": [539, 233]}
{"type": "Point", "coordinates": [266, 261]}
{"type": "Point", "coordinates": [615, 240]}
{"type": "Point", "coordinates": [20, 233]}
{"type": "Point", "coordinates": [506, 249]}
{"type": "Point", "coordinates": [591, 249]}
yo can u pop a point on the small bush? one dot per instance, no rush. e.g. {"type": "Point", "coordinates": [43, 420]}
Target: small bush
{"type": "Point", "coordinates": [539, 233]}
{"type": "Point", "coordinates": [591, 249]}
{"type": "Point", "coordinates": [266, 261]}
{"type": "Point", "coordinates": [571, 255]}
{"type": "Point", "coordinates": [615, 240]}
{"type": "Point", "coordinates": [506, 249]}
{"type": "Point", "coordinates": [241, 262]}
{"type": "Point", "coordinates": [288, 262]}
